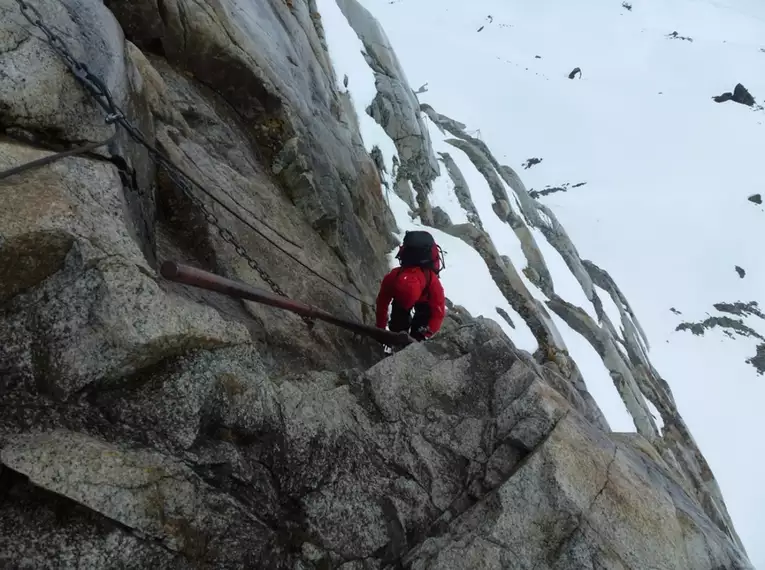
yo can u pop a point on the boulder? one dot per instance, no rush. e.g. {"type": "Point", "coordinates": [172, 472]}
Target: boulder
{"type": "Point", "coordinates": [740, 95]}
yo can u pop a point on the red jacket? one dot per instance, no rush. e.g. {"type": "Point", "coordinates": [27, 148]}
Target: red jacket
{"type": "Point", "coordinates": [410, 285]}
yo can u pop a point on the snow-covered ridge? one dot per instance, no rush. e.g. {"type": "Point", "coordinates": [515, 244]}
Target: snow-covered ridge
{"type": "Point", "coordinates": [532, 270]}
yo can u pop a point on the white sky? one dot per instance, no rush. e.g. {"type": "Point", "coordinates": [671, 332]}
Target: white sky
{"type": "Point", "coordinates": [664, 209]}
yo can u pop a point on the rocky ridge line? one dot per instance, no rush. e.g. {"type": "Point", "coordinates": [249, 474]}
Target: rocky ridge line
{"type": "Point", "coordinates": [624, 355]}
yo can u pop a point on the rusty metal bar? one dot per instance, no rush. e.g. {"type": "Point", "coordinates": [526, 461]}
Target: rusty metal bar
{"type": "Point", "coordinates": [205, 280]}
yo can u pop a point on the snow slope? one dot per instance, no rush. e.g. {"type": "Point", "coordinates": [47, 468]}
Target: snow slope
{"type": "Point", "coordinates": [667, 174]}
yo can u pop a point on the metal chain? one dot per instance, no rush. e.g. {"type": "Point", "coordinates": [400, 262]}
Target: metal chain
{"type": "Point", "coordinates": [115, 115]}
{"type": "Point", "coordinates": [229, 238]}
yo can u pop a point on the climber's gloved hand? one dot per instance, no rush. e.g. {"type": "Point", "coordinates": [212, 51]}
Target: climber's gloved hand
{"type": "Point", "coordinates": [422, 333]}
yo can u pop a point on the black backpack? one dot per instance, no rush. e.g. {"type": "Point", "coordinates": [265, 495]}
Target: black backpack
{"type": "Point", "coordinates": [419, 249]}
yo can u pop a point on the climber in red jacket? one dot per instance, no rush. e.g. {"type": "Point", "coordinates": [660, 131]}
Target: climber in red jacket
{"type": "Point", "coordinates": [414, 285]}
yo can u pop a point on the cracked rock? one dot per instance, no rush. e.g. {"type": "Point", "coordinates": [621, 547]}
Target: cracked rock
{"type": "Point", "coordinates": [142, 490]}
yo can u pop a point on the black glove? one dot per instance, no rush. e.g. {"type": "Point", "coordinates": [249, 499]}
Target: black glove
{"type": "Point", "coordinates": [422, 333]}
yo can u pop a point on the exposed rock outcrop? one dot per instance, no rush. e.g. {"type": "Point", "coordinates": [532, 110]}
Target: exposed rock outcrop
{"type": "Point", "coordinates": [455, 448]}
{"type": "Point", "coordinates": [733, 327]}
{"type": "Point", "coordinates": [740, 95]}
{"type": "Point", "coordinates": [503, 313]}
{"type": "Point", "coordinates": [531, 162]}
{"type": "Point", "coordinates": [553, 189]}
{"type": "Point", "coordinates": [675, 36]}
{"type": "Point", "coordinates": [395, 107]}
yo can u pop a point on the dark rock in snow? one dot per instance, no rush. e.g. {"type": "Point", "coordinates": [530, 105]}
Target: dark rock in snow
{"type": "Point", "coordinates": [503, 313]}
{"type": "Point", "coordinates": [553, 189]}
{"type": "Point", "coordinates": [481, 28]}
{"type": "Point", "coordinates": [574, 72]}
{"type": "Point", "coordinates": [627, 6]}
{"type": "Point", "coordinates": [537, 57]}
{"type": "Point", "coordinates": [732, 327]}
{"type": "Point", "coordinates": [531, 162]}
{"type": "Point", "coordinates": [740, 95]}
{"type": "Point", "coordinates": [740, 271]}
{"type": "Point", "coordinates": [728, 325]}
{"type": "Point", "coordinates": [758, 360]}
{"type": "Point", "coordinates": [740, 309]}
{"type": "Point", "coordinates": [755, 198]}
{"type": "Point", "coordinates": [675, 311]}
{"type": "Point", "coordinates": [676, 36]}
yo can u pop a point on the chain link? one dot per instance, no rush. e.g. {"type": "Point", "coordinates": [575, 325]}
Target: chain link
{"type": "Point", "coordinates": [229, 238]}
{"type": "Point", "coordinates": [115, 115]}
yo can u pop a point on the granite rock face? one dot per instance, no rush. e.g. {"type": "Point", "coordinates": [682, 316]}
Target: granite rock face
{"type": "Point", "coordinates": [145, 424]}
{"type": "Point", "coordinates": [445, 454]}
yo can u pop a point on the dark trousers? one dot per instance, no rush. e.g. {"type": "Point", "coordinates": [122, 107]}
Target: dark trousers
{"type": "Point", "coordinates": [402, 319]}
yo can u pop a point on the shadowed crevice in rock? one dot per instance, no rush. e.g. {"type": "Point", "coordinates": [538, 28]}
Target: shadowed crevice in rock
{"type": "Point", "coordinates": [141, 490]}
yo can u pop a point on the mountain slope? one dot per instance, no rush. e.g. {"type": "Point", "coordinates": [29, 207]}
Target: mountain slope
{"type": "Point", "coordinates": [150, 424]}
{"type": "Point", "coordinates": [666, 173]}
